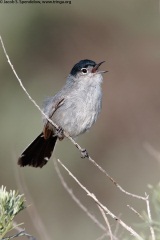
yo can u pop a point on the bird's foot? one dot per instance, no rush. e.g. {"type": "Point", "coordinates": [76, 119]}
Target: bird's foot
{"type": "Point", "coordinates": [84, 153]}
{"type": "Point", "coordinates": [60, 133]}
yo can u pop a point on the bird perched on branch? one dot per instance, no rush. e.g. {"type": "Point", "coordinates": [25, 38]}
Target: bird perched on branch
{"type": "Point", "coordinates": [74, 109]}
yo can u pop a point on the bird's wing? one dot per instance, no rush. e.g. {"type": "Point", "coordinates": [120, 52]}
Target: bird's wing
{"type": "Point", "coordinates": [47, 131]}
{"type": "Point", "coordinates": [55, 106]}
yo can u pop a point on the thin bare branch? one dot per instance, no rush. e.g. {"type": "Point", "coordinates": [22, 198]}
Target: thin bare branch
{"type": "Point", "coordinates": [152, 151]}
{"type": "Point", "coordinates": [22, 231]}
{"type": "Point", "coordinates": [135, 211]}
{"type": "Point", "coordinates": [107, 222]}
{"type": "Point", "coordinates": [22, 86]}
{"type": "Point", "coordinates": [150, 218]}
{"type": "Point", "coordinates": [123, 224]}
{"type": "Point", "coordinates": [102, 237]}
{"type": "Point", "coordinates": [117, 229]}
{"type": "Point", "coordinates": [91, 216]}
{"type": "Point", "coordinates": [114, 182]}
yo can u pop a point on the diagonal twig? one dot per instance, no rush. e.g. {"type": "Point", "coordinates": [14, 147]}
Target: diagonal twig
{"type": "Point", "coordinates": [76, 199]}
{"type": "Point", "coordinates": [107, 222]}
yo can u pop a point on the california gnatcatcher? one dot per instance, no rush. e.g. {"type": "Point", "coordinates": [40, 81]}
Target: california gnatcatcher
{"type": "Point", "coordinates": [74, 109]}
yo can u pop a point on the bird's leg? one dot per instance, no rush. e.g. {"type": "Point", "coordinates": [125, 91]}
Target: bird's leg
{"type": "Point", "coordinates": [84, 152]}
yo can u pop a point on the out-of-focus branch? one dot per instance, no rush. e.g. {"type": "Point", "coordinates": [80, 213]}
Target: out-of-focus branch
{"type": "Point", "coordinates": [107, 223]}
{"type": "Point", "coordinates": [102, 237]}
{"type": "Point", "coordinates": [32, 211]}
{"type": "Point", "coordinates": [152, 151]}
{"type": "Point", "coordinates": [20, 234]}
{"type": "Point", "coordinates": [150, 218]}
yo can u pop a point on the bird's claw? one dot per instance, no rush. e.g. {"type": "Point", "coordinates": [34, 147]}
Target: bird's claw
{"type": "Point", "coordinates": [84, 153]}
{"type": "Point", "coordinates": [60, 133]}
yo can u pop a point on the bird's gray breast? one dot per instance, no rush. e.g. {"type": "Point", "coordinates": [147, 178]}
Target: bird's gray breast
{"type": "Point", "coordinates": [79, 110]}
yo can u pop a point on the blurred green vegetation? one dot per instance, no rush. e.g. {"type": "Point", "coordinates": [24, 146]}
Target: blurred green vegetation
{"type": "Point", "coordinates": [43, 42]}
{"type": "Point", "coordinates": [11, 203]}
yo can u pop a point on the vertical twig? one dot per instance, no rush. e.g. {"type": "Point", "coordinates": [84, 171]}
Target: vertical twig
{"type": "Point", "coordinates": [107, 222]}
{"type": "Point", "coordinates": [150, 218]}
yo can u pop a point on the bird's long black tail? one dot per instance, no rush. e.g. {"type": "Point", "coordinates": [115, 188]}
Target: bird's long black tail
{"type": "Point", "coordinates": [38, 152]}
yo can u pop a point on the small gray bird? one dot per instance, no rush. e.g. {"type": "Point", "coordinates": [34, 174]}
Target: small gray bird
{"type": "Point", "coordinates": [74, 109]}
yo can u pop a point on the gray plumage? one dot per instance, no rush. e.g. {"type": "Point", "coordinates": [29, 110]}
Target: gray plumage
{"type": "Point", "coordinates": [74, 109]}
{"type": "Point", "coordinates": [81, 105]}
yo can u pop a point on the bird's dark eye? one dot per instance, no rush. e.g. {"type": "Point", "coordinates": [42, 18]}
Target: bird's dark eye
{"type": "Point", "coordinates": [84, 70]}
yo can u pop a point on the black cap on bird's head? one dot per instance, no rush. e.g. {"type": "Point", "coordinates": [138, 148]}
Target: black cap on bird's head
{"type": "Point", "coordinates": [84, 64]}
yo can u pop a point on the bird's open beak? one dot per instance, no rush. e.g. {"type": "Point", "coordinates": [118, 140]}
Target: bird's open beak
{"type": "Point", "coordinates": [94, 69]}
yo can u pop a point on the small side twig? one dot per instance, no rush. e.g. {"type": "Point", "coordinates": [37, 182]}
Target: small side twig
{"type": "Point", "coordinates": [107, 222]}
{"type": "Point", "coordinates": [135, 211]}
{"type": "Point", "coordinates": [22, 233]}
{"type": "Point", "coordinates": [149, 216]}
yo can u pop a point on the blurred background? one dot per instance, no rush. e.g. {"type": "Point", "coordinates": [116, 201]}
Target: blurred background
{"type": "Point", "coordinates": [44, 41]}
